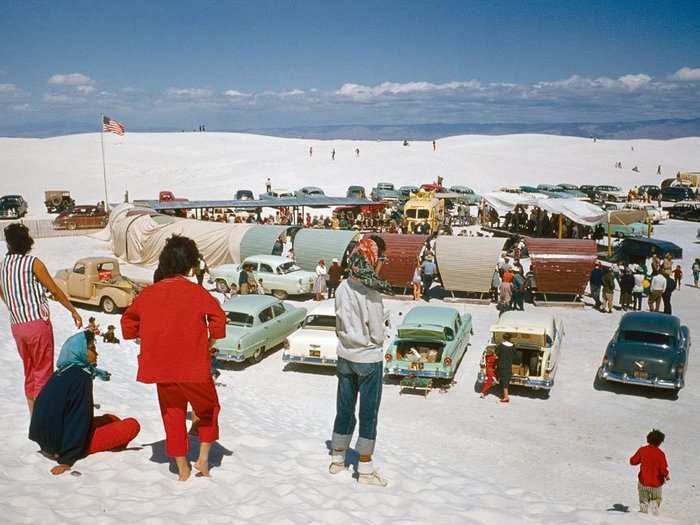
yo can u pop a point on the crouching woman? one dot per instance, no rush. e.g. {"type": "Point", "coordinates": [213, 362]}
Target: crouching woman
{"type": "Point", "coordinates": [63, 422]}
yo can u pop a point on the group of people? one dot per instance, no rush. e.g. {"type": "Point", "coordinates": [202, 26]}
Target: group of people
{"type": "Point", "coordinates": [510, 285]}
{"type": "Point", "coordinates": [539, 223]}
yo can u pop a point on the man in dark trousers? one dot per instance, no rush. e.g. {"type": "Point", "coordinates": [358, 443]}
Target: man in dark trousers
{"type": "Point", "coordinates": [666, 296]}
{"type": "Point", "coordinates": [334, 274]}
{"type": "Point", "coordinates": [596, 283]}
{"type": "Point", "coordinates": [505, 351]}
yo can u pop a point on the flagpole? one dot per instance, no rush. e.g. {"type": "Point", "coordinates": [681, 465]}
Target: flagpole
{"type": "Point", "coordinates": [104, 165]}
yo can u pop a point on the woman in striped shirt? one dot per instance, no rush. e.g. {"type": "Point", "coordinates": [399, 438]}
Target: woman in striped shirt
{"type": "Point", "coordinates": [24, 280]}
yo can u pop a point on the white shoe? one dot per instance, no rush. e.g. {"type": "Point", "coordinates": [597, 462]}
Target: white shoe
{"type": "Point", "coordinates": [337, 468]}
{"type": "Point", "coordinates": [373, 478]}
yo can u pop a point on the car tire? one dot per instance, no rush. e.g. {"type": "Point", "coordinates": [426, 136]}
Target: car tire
{"type": "Point", "coordinates": [599, 383]}
{"type": "Point", "coordinates": [221, 286]}
{"type": "Point", "coordinates": [257, 355]}
{"type": "Point", "coordinates": [71, 226]}
{"type": "Point", "coordinates": [280, 294]}
{"type": "Point", "coordinates": [108, 305]}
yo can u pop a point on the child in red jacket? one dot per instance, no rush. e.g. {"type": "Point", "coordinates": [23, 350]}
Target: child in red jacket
{"type": "Point", "coordinates": [491, 360]}
{"type": "Point", "coordinates": [653, 472]}
{"type": "Point", "coordinates": [178, 322]}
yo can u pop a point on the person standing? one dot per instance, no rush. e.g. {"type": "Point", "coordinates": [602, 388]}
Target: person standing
{"type": "Point", "coordinates": [268, 185]}
{"type": "Point", "coordinates": [505, 295]}
{"type": "Point", "coordinates": [360, 330]}
{"type": "Point", "coordinates": [656, 290]}
{"type": "Point", "coordinates": [357, 152]}
{"type": "Point", "coordinates": [200, 270]}
{"type": "Point", "coordinates": [696, 272]}
{"type": "Point", "coordinates": [333, 154]}
{"type": "Point", "coordinates": [335, 272]}
{"type": "Point", "coordinates": [608, 290]}
{"type": "Point", "coordinates": [178, 323]}
{"type": "Point", "coordinates": [638, 290]}
{"type": "Point", "coordinates": [678, 275]}
{"type": "Point", "coordinates": [434, 146]}
{"type": "Point", "coordinates": [417, 282]}
{"type": "Point", "coordinates": [490, 362]}
{"type": "Point", "coordinates": [428, 270]}
{"type": "Point", "coordinates": [24, 281]}
{"type": "Point", "coordinates": [311, 151]}
{"type": "Point", "coordinates": [320, 280]}
{"type": "Point", "coordinates": [626, 288]}
{"type": "Point", "coordinates": [505, 352]}
{"type": "Point", "coordinates": [518, 290]}
{"type": "Point", "coordinates": [63, 422]}
{"type": "Point", "coordinates": [666, 295]}
{"type": "Point", "coordinates": [596, 283]}
{"type": "Point", "coordinates": [653, 472]}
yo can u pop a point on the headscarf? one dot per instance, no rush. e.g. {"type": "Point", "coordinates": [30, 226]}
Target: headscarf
{"type": "Point", "coordinates": [74, 353]}
{"type": "Point", "coordinates": [361, 270]}
{"type": "Point", "coordinates": [369, 249]}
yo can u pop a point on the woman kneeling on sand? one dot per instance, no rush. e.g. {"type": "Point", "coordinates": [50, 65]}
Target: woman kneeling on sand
{"type": "Point", "coordinates": [63, 423]}
{"type": "Point", "coordinates": [178, 322]}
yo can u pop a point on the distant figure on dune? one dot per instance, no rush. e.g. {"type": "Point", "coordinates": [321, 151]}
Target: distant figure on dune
{"type": "Point", "coordinates": [658, 169]}
{"type": "Point", "coordinates": [357, 152]}
{"type": "Point", "coordinates": [268, 185]}
{"type": "Point", "coordinates": [434, 146]}
{"type": "Point", "coordinates": [333, 154]}
{"type": "Point", "coordinates": [311, 151]}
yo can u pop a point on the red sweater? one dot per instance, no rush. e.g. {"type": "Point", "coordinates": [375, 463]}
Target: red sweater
{"type": "Point", "coordinates": [491, 365]}
{"type": "Point", "coordinates": [653, 469]}
{"type": "Point", "coordinates": [174, 319]}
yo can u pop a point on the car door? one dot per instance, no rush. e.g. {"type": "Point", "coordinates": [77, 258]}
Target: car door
{"type": "Point", "coordinates": [267, 276]}
{"type": "Point", "coordinates": [267, 326]}
{"type": "Point", "coordinates": [556, 345]}
{"type": "Point", "coordinates": [281, 322]}
{"type": "Point", "coordinates": [78, 282]}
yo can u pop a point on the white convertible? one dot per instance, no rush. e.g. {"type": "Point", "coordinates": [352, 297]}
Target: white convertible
{"type": "Point", "coordinates": [315, 342]}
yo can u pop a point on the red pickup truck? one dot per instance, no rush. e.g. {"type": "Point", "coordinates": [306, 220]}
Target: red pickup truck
{"type": "Point", "coordinates": [169, 196]}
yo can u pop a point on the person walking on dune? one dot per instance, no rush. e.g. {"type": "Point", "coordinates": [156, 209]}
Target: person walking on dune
{"type": "Point", "coordinates": [178, 322]}
{"type": "Point", "coordinates": [24, 281]}
{"type": "Point", "coordinates": [360, 330]}
{"type": "Point", "coordinates": [333, 154]}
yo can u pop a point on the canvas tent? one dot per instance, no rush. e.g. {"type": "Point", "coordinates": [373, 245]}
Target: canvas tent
{"type": "Point", "coordinates": [466, 264]}
{"type": "Point", "coordinates": [561, 266]}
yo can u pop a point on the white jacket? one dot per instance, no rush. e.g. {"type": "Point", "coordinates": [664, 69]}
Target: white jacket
{"type": "Point", "coordinates": [638, 283]}
{"type": "Point", "coordinates": [658, 283]}
{"type": "Point", "coordinates": [359, 322]}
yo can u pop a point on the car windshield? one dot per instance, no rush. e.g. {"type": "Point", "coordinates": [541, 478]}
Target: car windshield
{"type": "Point", "coordinates": [653, 338]}
{"type": "Point", "coordinates": [423, 214]}
{"type": "Point", "coordinates": [320, 322]}
{"type": "Point", "coordinates": [239, 319]}
{"type": "Point", "coordinates": [288, 267]}
{"type": "Point", "coordinates": [411, 214]}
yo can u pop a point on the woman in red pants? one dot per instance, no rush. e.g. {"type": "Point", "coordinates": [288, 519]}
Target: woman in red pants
{"type": "Point", "coordinates": [178, 322]}
{"type": "Point", "coordinates": [63, 423]}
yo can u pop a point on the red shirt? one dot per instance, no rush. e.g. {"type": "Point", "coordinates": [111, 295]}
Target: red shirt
{"type": "Point", "coordinates": [174, 319]}
{"type": "Point", "coordinates": [491, 365]}
{"type": "Point", "coordinates": [653, 469]}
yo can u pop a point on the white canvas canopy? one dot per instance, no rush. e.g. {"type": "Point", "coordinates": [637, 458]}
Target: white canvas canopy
{"type": "Point", "coordinates": [578, 211]}
{"type": "Point", "coordinates": [505, 201]}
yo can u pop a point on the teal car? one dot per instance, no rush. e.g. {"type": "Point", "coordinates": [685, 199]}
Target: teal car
{"type": "Point", "coordinates": [636, 229]}
{"type": "Point", "coordinates": [467, 195]}
{"type": "Point", "coordinates": [430, 343]}
{"type": "Point", "coordinates": [255, 324]}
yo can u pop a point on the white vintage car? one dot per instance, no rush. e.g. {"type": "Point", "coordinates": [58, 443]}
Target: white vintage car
{"type": "Point", "coordinates": [315, 342]}
{"type": "Point", "coordinates": [655, 213]}
{"type": "Point", "coordinates": [537, 337]}
{"type": "Point", "coordinates": [280, 276]}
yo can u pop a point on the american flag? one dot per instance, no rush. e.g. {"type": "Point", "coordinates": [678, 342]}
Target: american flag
{"type": "Point", "coordinates": [111, 125]}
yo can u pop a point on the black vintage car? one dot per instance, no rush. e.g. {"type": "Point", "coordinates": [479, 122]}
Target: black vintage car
{"type": "Point", "coordinates": [649, 189]}
{"type": "Point", "coordinates": [685, 211]}
{"type": "Point", "coordinates": [677, 193]}
{"type": "Point", "coordinates": [13, 207]}
{"type": "Point", "coordinates": [588, 190]}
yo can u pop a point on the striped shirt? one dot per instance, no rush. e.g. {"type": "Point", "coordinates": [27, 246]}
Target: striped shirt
{"type": "Point", "coordinates": [24, 294]}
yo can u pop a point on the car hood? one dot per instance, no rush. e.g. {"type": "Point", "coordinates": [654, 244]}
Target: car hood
{"type": "Point", "coordinates": [655, 360]}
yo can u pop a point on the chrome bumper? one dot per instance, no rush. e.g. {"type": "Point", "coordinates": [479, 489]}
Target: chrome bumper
{"type": "Point", "coordinates": [291, 358]}
{"type": "Point", "coordinates": [530, 382]}
{"type": "Point", "coordinates": [397, 371]}
{"type": "Point", "coordinates": [656, 382]}
{"type": "Point", "coordinates": [236, 358]}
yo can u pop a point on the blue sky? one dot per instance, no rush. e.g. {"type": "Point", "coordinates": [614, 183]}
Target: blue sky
{"type": "Point", "coordinates": [262, 64]}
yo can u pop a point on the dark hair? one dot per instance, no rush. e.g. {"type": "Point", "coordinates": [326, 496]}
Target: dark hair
{"type": "Point", "coordinates": [18, 239]}
{"type": "Point", "coordinates": [655, 437]}
{"type": "Point", "coordinates": [89, 337]}
{"type": "Point", "coordinates": [178, 257]}
{"type": "Point", "coordinates": [91, 319]}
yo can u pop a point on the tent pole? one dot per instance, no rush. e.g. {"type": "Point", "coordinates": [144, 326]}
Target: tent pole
{"type": "Point", "coordinates": [609, 238]}
{"type": "Point", "coordinates": [561, 226]}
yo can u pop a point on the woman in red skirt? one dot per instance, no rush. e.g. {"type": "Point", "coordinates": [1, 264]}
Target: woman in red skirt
{"type": "Point", "coordinates": [178, 322]}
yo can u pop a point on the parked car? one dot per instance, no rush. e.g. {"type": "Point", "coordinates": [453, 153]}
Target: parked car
{"type": "Point", "coordinates": [684, 210]}
{"type": "Point", "coordinates": [309, 191]}
{"type": "Point", "coordinates": [280, 276]}
{"type": "Point", "coordinates": [537, 337]}
{"type": "Point", "coordinates": [588, 190]}
{"type": "Point", "coordinates": [82, 216]}
{"type": "Point", "coordinates": [649, 189]}
{"type": "Point", "coordinates": [244, 195]}
{"type": "Point", "coordinates": [97, 281]}
{"type": "Point", "coordinates": [655, 214]}
{"type": "Point", "coordinates": [316, 342]}
{"type": "Point", "coordinates": [385, 192]}
{"type": "Point", "coordinates": [405, 193]}
{"type": "Point", "coordinates": [430, 342]}
{"type": "Point", "coordinates": [277, 193]}
{"type": "Point", "coordinates": [356, 192]}
{"type": "Point", "coordinates": [571, 190]}
{"type": "Point", "coordinates": [13, 207]}
{"type": "Point", "coordinates": [255, 324]}
{"type": "Point", "coordinates": [635, 229]}
{"type": "Point", "coordinates": [467, 195]}
{"type": "Point", "coordinates": [649, 349]}
{"type": "Point", "coordinates": [58, 201]}
{"type": "Point", "coordinates": [607, 193]}
{"type": "Point", "coordinates": [677, 193]}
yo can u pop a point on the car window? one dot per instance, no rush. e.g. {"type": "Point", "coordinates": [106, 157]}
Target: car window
{"type": "Point", "coordinates": [635, 336]}
{"type": "Point", "coordinates": [411, 214]}
{"type": "Point", "coordinates": [265, 268]}
{"type": "Point", "coordinates": [266, 315]}
{"type": "Point", "coordinates": [423, 214]}
{"type": "Point", "coordinates": [278, 309]}
{"type": "Point", "coordinates": [239, 319]}
{"type": "Point", "coordinates": [288, 267]}
{"type": "Point", "coordinates": [79, 268]}
{"type": "Point", "coordinates": [320, 322]}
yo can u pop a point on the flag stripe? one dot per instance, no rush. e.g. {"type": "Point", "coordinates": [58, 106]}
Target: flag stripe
{"type": "Point", "coordinates": [112, 126]}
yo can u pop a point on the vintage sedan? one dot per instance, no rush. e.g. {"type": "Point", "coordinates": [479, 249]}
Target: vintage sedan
{"type": "Point", "coordinates": [13, 207]}
{"type": "Point", "coordinates": [649, 349]}
{"type": "Point", "coordinates": [280, 276]}
{"type": "Point", "coordinates": [685, 210]}
{"type": "Point", "coordinates": [316, 342]}
{"type": "Point", "coordinates": [466, 195]}
{"type": "Point", "coordinates": [429, 343]}
{"type": "Point", "coordinates": [654, 213]}
{"type": "Point", "coordinates": [537, 337]}
{"type": "Point", "coordinates": [81, 216]}
{"type": "Point", "coordinates": [255, 324]}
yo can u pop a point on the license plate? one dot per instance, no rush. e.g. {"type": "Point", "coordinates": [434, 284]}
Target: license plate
{"type": "Point", "coordinates": [415, 366]}
{"type": "Point", "coordinates": [641, 375]}
{"type": "Point", "coordinates": [315, 353]}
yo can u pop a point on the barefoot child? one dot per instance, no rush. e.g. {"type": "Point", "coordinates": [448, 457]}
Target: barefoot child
{"type": "Point", "coordinates": [63, 423]}
{"type": "Point", "coordinates": [93, 326]}
{"type": "Point", "coordinates": [653, 472]}
{"type": "Point", "coordinates": [491, 360]}
{"type": "Point", "coordinates": [178, 323]}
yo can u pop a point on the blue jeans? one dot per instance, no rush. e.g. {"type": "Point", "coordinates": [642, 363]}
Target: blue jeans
{"type": "Point", "coordinates": [364, 379]}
